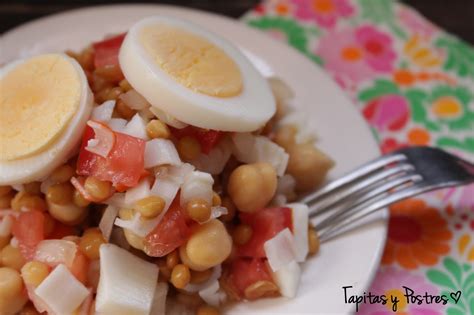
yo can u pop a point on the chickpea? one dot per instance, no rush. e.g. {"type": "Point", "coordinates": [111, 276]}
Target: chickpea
{"type": "Point", "coordinates": [260, 289]}
{"type": "Point", "coordinates": [63, 174]}
{"type": "Point", "coordinates": [198, 210]}
{"type": "Point", "coordinates": [216, 199]}
{"type": "Point", "coordinates": [313, 241]}
{"type": "Point", "coordinates": [33, 188]}
{"type": "Point", "coordinates": [24, 199]}
{"type": "Point", "coordinates": [12, 298]}
{"type": "Point", "coordinates": [79, 200]}
{"type": "Point", "coordinates": [69, 214]}
{"type": "Point", "coordinates": [207, 247]}
{"type": "Point", "coordinates": [150, 207]}
{"type": "Point", "coordinates": [125, 85]}
{"type": "Point", "coordinates": [285, 137]}
{"type": "Point", "coordinates": [34, 272]}
{"type": "Point", "coordinates": [99, 190]}
{"type": "Point", "coordinates": [189, 148]}
{"type": "Point", "coordinates": [200, 276]}
{"type": "Point", "coordinates": [172, 259]}
{"type": "Point", "coordinates": [5, 190]}
{"type": "Point", "coordinates": [11, 257]}
{"type": "Point", "coordinates": [90, 243]}
{"type": "Point", "coordinates": [252, 186]}
{"type": "Point", "coordinates": [242, 234]}
{"type": "Point", "coordinates": [4, 241]}
{"type": "Point", "coordinates": [111, 73]}
{"type": "Point", "coordinates": [60, 194]}
{"type": "Point", "coordinates": [157, 129]}
{"type": "Point", "coordinates": [308, 166]}
{"type": "Point", "coordinates": [133, 239]}
{"type": "Point", "coordinates": [123, 110]}
{"type": "Point", "coordinates": [180, 276]}
{"type": "Point", "coordinates": [227, 202]}
{"type": "Point", "coordinates": [5, 200]}
{"type": "Point", "coordinates": [207, 310]}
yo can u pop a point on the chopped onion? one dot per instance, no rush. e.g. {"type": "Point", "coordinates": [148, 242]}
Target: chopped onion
{"type": "Point", "coordinates": [55, 252]}
{"type": "Point", "coordinates": [159, 299]}
{"type": "Point", "coordinates": [212, 295]}
{"type": "Point", "coordinates": [167, 119]}
{"type": "Point", "coordinates": [161, 152]}
{"type": "Point", "coordinates": [61, 291]}
{"type": "Point", "coordinates": [6, 225]}
{"type": "Point", "coordinates": [134, 100]}
{"type": "Point", "coordinates": [215, 161]}
{"type": "Point", "coordinates": [251, 149]}
{"type": "Point", "coordinates": [287, 279]}
{"type": "Point", "coordinates": [38, 303]}
{"type": "Point", "coordinates": [136, 128]}
{"type": "Point", "coordinates": [117, 124]}
{"type": "Point", "coordinates": [146, 114]}
{"type": "Point", "coordinates": [85, 307]}
{"type": "Point", "coordinates": [280, 250]}
{"type": "Point", "coordinates": [306, 132]}
{"type": "Point", "coordinates": [279, 200]}
{"type": "Point", "coordinates": [197, 185]}
{"type": "Point", "coordinates": [117, 200]}
{"type": "Point", "coordinates": [217, 212]}
{"type": "Point", "coordinates": [78, 183]}
{"type": "Point", "coordinates": [104, 111]}
{"type": "Point", "coordinates": [46, 184]}
{"type": "Point", "coordinates": [127, 283]}
{"type": "Point", "coordinates": [300, 217]}
{"type": "Point", "coordinates": [216, 274]}
{"type": "Point", "coordinates": [103, 141]}
{"type": "Point", "coordinates": [138, 225]}
{"type": "Point", "coordinates": [107, 221]}
{"type": "Point", "coordinates": [142, 190]}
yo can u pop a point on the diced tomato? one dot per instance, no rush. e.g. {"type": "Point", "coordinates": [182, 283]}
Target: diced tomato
{"type": "Point", "coordinates": [208, 139]}
{"type": "Point", "coordinates": [80, 267]}
{"type": "Point", "coordinates": [124, 165]}
{"type": "Point", "coordinates": [29, 231]}
{"type": "Point", "coordinates": [265, 223]}
{"type": "Point", "coordinates": [246, 271]}
{"type": "Point", "coordinates": [169, 234]}
{"type": "Point", "coordinates": [106, 51]}
{"type": "Point", "coordinates": [61, 230]}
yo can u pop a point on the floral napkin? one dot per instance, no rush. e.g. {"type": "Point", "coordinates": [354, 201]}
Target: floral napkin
{"type": "Point", "coordinates": [414, 84]}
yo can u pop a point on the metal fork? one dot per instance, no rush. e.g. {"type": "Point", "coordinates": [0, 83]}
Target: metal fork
{"type": "Point", "coordinates": [383, 181]}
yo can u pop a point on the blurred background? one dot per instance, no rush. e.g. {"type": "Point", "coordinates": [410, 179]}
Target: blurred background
{"type": "Point", "coordinates": [456, 16]}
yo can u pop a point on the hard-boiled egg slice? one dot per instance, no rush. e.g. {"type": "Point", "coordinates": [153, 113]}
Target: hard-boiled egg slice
{"type": "Point", "coordinates": [45, 102]}
{"type": "Point", "coordinates": [195, 76]}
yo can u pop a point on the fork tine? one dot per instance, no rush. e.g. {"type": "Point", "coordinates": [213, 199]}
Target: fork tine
{"type": "Point", "coordinates": [358, 173]}
{"type": "Point", "coordinates": [323, 204]}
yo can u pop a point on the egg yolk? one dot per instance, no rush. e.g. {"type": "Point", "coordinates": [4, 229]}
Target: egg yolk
{"type": "Point", "coordinates": [37, 100]}
{"type": "Point", "coordinates": [192, 60]}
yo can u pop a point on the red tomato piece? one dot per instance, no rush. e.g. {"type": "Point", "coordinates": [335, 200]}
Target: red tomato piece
{"type": "Point", "coordinates": [245, 272]}
{"type": "Point", "coordinates": [265, 223]}
{"type": "Point", "coordinates": [29, 231]}
{"type": "Point", "coordinates": [169, 234]}
{"type": "Point", "coordinates": [61, 230]}
{"type": "Point", "coordinates": [80, 267]}
{"type": "Point", "coordinates": [124, 165]}
{"type": "Point", "coordinates": [208, 139]}
{"type": "Point", "coordinates": [106, 51]}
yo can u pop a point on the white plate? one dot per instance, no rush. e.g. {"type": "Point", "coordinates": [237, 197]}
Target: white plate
{"type": "Point", "coordinates": [349, 260]}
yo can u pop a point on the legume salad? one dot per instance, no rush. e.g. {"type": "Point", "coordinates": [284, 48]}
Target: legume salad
{"type": "Point", "coordinates": [204, 208]}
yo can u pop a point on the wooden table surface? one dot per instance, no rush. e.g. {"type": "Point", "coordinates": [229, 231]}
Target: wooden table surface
{"type": "Point", "coordinates": [454, 15]}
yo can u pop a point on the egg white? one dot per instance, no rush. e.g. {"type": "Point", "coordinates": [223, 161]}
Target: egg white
{"type": "Point", "coordinates": [41, 164]}
{"type": "Point", "coordinates": [248, 111]}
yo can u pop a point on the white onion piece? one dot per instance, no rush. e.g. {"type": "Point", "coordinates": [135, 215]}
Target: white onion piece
{"type": "Point", "coordinates": [104, 111]}
{"type": "Point", "coordinates": [252, 149]}
{"type": "Point", "coordinates": [300, 217]}
{"type": "Point", "coordinates": [136, 127]}
{"type": "Point", "coordinates": [212, 295]}
{"type": "Point", "coordinates": [167, 119]}
{"type": "Point", "coordinates": [159, 299]}
{"type": "Point", "coordinates": [146, 114]}
{"type": "Point", "coordinates": [197, 185]}
{"type": "Point", "coordinates": [61, 291]}
{"type": "Point", "coordinates": [286, 184]}
{"type": "Point", "coordinates": [280, 250]}
{"type": "Point", "coordinates": [38, 303]}
{"type": "Point", "coordinates": [216, 274]}
{"type": "Point", "coordinates": [305, 131]}
{"type": "Point", "coordinates": [161, 152]}
{"type": "Point", "coordinates": [6, 225]}
{"type": "Point", "coordinates": [142, 190]}
{"type": "Point", "coordinates": [117, 124]}
{"type": "Point", "coordinates": [107, 221]}
{"type": "Point", "coordinates": [217, 212]}
{"type": "Point", "coordinates": [116, 200]}
{"type": "Point", "coordinates": [214, 162]}
{"type": "Point", "coordinates": [287, 279]}
{"type": "Point", "coordinates": [139, 225]}
{"type": "Point", "coordinates": [56, 252]}
{"type": "Point", "coordinates": [134, 100]}
{"type": "Point", "coordinates": [85, 307]}
{"type": "Point", "coordinates": [127, 283]}
{"type": "Point", "coordinates": [103, 141]}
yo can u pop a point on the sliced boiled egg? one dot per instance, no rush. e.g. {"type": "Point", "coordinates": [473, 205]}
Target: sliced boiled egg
{"type": "Point", "coordinates": [195, 75]}
{"type": "Point", "coordinates": [45, 102]}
